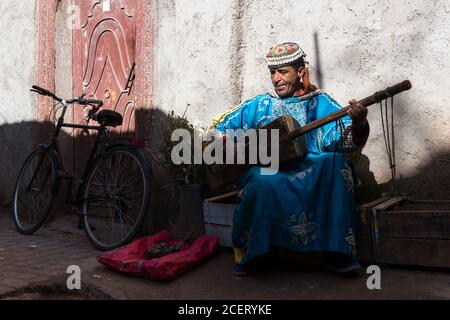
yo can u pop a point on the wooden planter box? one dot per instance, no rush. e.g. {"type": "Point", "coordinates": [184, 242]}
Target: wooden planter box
{"type": "Point", "coordinates": [400, 232]}
{"type": "Point", "coordinates": [218, 213]}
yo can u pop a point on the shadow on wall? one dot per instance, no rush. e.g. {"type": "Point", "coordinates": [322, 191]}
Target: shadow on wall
{"type": "Point", "coordinates": [18, 140]}
{"type": "Point", "coordinates": [369, 190]}
{"type": "Point", "coordinates": [431, 181]}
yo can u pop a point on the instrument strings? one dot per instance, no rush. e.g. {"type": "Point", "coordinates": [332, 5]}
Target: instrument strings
{"type": "Point", "coordinates": [387, 123]}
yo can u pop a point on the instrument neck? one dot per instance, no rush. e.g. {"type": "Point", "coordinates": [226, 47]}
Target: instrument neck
{"type": "Point", "coordinates": [377, 97]}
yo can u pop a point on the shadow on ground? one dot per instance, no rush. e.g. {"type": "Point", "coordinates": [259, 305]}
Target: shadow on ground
{"type": "Point", "coordinates": [56, 290]}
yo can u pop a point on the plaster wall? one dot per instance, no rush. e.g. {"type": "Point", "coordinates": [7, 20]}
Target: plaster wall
{"type": "Point", "coordinates": [18, 107]}
{"type": "Point", "coordinates": [210, 56]}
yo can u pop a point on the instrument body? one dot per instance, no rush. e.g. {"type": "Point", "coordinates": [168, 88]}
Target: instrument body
{"type": "Point", "coordinates": [220, 175]}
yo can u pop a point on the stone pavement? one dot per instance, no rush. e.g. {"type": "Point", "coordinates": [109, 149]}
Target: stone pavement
{"type": "Point", "coordinates": [29, 264]}
{"type": "Point", "coordinates": [47, 253]}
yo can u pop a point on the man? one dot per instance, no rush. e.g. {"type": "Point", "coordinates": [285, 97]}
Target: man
{"type": "Point", "coordinates": [310, 206]}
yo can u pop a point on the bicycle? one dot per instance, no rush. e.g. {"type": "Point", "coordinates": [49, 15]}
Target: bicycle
{"type": "Point", "coordinates": [113, 195]}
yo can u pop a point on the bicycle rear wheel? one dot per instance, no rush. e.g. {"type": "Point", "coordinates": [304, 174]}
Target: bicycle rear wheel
{"type": "Point", "coordinates": [116, 197]}
{"type": "Point", "coordinates": [35, 191]}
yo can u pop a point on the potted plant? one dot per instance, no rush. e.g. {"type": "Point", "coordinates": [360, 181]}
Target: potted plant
{"type": "Point", "coordinates": [187, 179]}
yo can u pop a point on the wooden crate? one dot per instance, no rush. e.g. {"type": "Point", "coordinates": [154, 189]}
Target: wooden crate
{"type": "Point", "coordinates": [218, 213]}
{"type": "Point", "coordinates": [391, 230]}
{"type": "Point", "coordinates": [364, 243]}
{"type": "Point", "coordinates": [408, 233]}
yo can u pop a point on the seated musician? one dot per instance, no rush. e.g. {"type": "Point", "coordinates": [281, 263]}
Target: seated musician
{"type": "Point", "coordinates": [309, 207]}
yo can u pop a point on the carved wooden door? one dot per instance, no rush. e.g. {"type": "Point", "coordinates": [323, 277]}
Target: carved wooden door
{"type": "Point", "coordinates": [103, 62]}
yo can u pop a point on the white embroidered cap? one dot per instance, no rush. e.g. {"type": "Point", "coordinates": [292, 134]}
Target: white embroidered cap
{"type": "Point", "coordinates": [284, 54]}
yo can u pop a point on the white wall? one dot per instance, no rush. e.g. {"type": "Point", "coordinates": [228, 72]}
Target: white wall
{"type": "Point", "coordinates": [210, 55]}
{"type": "Point", "coordinates": [18, 104]}
{"type": "Point", "coordinates": [17, 52]}
{"type": "Point", "coordinates": [192, 57]}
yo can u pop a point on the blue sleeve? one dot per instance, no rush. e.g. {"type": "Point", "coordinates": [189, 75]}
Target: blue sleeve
{"type": "Point", "coordinates": [244, 116]}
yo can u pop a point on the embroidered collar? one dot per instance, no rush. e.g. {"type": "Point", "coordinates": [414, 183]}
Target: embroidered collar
{"type": "Point", "coordinates": [297, 99]}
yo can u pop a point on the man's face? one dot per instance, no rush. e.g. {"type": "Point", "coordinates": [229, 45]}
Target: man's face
{"type": "Point", "coordinates": [286, 80]}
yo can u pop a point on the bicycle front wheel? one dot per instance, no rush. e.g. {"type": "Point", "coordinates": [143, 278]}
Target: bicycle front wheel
{"type": "Point", "coordinates": [35, 191]}
{"type": "Point", "coordinates": [116, 197]}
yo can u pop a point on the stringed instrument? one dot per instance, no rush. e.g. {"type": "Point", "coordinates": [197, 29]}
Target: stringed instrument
{"type": "Point", "coordinates": [292, 139]}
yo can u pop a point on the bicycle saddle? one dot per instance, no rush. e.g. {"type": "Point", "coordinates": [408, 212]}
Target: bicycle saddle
{"type": "Point", "coordinates": [108, 118]}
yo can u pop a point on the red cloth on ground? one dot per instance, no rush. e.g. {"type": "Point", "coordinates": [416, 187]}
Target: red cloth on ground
{"type": "Point", "coordinates": [132, 259]}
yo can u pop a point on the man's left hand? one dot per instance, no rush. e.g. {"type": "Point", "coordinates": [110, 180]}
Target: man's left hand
{"type": "Point", "coordinates": [358, 113]}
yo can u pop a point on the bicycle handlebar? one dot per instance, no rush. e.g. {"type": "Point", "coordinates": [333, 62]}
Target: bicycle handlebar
{"type": "Point", "coordinates": [79, 100]}
{"type": "Point", "coordinates": [97, 103]}
{"type": "Point", "coordinates": [45, 92]}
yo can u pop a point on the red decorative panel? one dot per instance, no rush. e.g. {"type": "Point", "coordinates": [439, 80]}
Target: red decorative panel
{"type": "Point", "coordinates": [113, 62]}
{"type": "Point", "coordinates": [104, 52]}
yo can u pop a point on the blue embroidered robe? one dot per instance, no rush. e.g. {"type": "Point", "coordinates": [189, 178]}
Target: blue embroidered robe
{"type": "Point", "coordinates": [309, 207]}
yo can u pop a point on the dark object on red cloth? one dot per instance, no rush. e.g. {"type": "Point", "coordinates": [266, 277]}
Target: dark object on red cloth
{"type": "Point", "coordinates": [133, 260]}
{"type": "Point", "coordinates": [164, 248]}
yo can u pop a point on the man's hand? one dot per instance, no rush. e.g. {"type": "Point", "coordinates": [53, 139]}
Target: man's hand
{"type": "Point", "coordinates": [358, 113]}
{"type": "Point", "coordinates": [360, 125]}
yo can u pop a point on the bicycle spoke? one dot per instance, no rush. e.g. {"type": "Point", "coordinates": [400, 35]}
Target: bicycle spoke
{"type": "Point", "coordinates": [117, 164]}
{"type": "Point", "coordinates": [95, 201]}
{"type": "Point", "coordinates": [119, 214]}
{"type": "Point", "coordinates": [112, 221]}
{"type": "Point", "coordinates": [34, 212]}
{"type": "Point", "coordinates": [36, 171]}
{"type": "Point", "coordinates": [133, 183]}
{"type": "Point", "coordinates": [44, 199]}
{"type": "Point", "coordinates": [28, 209]}
{"type": "Point", "coordinates": [129, 203]}
{"type": "Point", "coordinates": [129, 218]}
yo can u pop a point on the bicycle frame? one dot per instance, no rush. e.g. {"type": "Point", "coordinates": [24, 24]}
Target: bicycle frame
{"type": "Point", "coordinates": [100, 138]}
{"type": "Point", "coordinates": [110, 195]}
